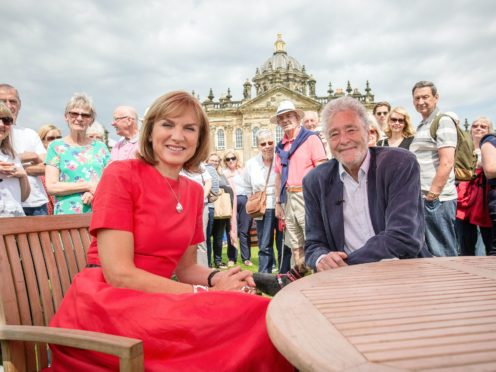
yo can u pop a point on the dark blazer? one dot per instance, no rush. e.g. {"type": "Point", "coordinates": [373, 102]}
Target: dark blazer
{"type": "Point", "coordinates": [395, 204]}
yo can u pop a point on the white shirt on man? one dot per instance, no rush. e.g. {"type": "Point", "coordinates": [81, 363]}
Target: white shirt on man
{"type": "Point", "coordinates": [27, 140]}
{"type": "Point", "coordinates": [356, 214]}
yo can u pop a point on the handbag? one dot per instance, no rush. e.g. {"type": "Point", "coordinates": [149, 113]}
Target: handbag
{"type": "Point", "coordinates": [212, 196]}
{"type": "Point", "coordinates": [257, 202]}
{"type": "Point", "coordinates": [222, 206]}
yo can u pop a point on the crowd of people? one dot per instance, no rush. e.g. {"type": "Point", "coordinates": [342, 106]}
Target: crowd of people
{"type": "Point", "coordinates": [350, 188]}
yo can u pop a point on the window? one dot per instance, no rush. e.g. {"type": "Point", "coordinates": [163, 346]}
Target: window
{"type": "Point", "coordinates": [254, 132]}
{"type": "Point", "coordinates": [279, 133]}
{"type": "Point", "coordinates": [221, 140]}
{"type": "Point", "coordinates": [238, 138]}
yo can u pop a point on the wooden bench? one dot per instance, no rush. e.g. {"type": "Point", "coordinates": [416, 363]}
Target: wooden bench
{"type": "Point", "coordinates": [39, 257]}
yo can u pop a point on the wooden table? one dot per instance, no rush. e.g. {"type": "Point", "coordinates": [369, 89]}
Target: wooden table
{"type": "Point", "coordinates": [422, 314]}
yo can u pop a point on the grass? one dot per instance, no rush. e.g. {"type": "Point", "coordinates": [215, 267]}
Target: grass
{"type": "Point", "coordinates": [254, 259]}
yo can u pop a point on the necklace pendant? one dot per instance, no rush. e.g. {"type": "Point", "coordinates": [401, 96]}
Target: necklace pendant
{"type": "Point", "coordinates": [179, 208]}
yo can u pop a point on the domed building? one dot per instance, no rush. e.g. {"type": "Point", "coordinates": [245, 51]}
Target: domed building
{"type": "Point", "coordinates": [234, 124]}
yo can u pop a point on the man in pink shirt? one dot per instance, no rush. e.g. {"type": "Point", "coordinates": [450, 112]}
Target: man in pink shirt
{"type": "Point", "coordinates": [298, 152]}
{"type": "Point", "coordinates": [125, 122]}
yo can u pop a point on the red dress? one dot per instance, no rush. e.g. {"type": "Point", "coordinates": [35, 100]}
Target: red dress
{"type": "Point", "coordinates": [218, 331]}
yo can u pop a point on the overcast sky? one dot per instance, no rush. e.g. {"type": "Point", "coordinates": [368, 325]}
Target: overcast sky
{"type": "Point", "coordinates": [124, 52]}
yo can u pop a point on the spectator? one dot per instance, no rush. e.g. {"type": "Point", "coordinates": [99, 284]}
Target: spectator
{"type": "Point", "coordinates": [125, 123]}
{"type": "Point", "coordinates": [75, 163]}
{"type": "Point", "coordinates": [224, 225]}
{"type": "Point", "coordinates": [488, 153]}
{"type": "Point", "coordinates": [128, 289]}
{"type": "Point", "coordinates": [437, 177]}
{"type": "Point", "coordinates": [96, 132]}
{"type": "Point", "coordinates": [48, 133]}
{"type": "Point", "coordinates": [14, 184]}
{"type": "Point", "coordinates": [213, 162]}
{"type": "Point", "coordinates": [234, 172]}
{"type": "Point", "coordinates": [31, 152]}
{"type": "Point", "coordinates": [310, 120]}
{"type": "Point", "coordinates": [298, 152]}
{"type": "Point", "coordinates": [399, 130]}
{"type": "Point", "coordinates": [381, 112]}
{"type": "Point", "coordinates": [374, 130]}
{"type": "Point", "coordinates": [259, 175]}
{"type": "Point", "coordinates": [472, 212]}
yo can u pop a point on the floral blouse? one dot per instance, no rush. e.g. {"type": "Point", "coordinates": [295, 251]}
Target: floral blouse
{"type": "Point", "coordinates": [76, 164]}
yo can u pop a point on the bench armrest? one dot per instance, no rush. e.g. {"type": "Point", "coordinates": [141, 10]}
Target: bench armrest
{"type": "Point", "coordinates": [129, 350]}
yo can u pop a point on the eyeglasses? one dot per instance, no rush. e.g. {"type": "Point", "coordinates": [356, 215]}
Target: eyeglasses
{"type": "Point", "coordinates": [52, 138]}
{"type": "Point", "coordinates": [268, 143]}
{"type": "Point", "coordinates": [7, 121]}
{"type": "Point", "coordinates": [381, 113]}
{"type": "Point", "coordinates": [230, 159]}
{"type": "Point", "coordinates": [120, 118]}
{"type": "Point", "coordinates": [397, 120]}
{"type": "Point", "coordinates": [75, 115]}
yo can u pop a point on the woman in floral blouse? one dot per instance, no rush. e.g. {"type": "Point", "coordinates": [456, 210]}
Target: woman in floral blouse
{"type": "Point", "coordinates": [75, 163]}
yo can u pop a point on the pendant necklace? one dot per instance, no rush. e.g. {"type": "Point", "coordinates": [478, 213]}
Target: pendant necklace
{"type": "Point", "coordinates": [179, 206]}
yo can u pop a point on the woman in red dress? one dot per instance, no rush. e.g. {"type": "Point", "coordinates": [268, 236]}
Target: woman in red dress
{"type": "Point", "coordinates": [146, 223]}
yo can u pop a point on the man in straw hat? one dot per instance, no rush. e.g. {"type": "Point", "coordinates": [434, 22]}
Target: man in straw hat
{"type": "Point", "coordinates": [298, 152]}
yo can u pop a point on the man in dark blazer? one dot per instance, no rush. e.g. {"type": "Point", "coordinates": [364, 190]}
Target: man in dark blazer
{"type": "Point", "coordinates": [365, 205]}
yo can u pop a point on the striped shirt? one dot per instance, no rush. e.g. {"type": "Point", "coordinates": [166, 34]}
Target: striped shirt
{"type": "Point", "coordinates": [426, 150]}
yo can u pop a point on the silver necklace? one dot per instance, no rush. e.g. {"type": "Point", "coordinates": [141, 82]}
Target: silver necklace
{"type": "Point", "coordinates": [179, 206]}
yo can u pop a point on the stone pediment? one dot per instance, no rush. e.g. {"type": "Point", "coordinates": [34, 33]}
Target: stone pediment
{"type": "Point", "coordinates": [269, 100]}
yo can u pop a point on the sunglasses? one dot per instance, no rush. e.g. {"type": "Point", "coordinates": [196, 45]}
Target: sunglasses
{"type": "Point", "coordinates": [268, 143]}
{"type": "Point", "coordinates": [75, 115]}
{"type": "Point", "coordinates": [380, 113]}
{"type": "Point", "coordinates": [51, 138]}
{"type": "Point", "coordinates": [230, 159]}
{"type": "Point", "coordinates": [7, 121]}
{"type": "Point", "coordinates": [397, 120]}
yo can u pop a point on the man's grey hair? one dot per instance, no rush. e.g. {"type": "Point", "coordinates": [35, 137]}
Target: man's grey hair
{"type": "Point", "coordinates": [264, 133]}
{"type": "Point", "coordinates": [81, 100]}
{"type": "Point", "coordinates": [345, 103]}
{"type": "Point", "coordinates": [4, 86]}
{"type": "Point", "coordinates": [425, 84]}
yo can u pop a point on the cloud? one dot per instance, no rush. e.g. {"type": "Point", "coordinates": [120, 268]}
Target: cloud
{"type": "Point", "coordinates": [123, 52]}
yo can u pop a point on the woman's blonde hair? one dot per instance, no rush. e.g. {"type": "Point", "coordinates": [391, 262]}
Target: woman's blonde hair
{"type": "Point", "coordinates": [171, 105]}
{"type": "Point", "coordinates": [408, 130]}
{"type": "Point", "coordinates": [6, 145]}
{"type": "Point", "coordinates": [44, 129]}
{"type": "Point", "coordinates": [238, 160]}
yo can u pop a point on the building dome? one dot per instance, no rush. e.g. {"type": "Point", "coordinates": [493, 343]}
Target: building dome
{"type": "Point", "coordinates": [280, 58]}
{"type": "Point", "coordinates": [281, 70]}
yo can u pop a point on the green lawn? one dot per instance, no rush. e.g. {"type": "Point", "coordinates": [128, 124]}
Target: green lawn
{"type": "Point", "coordinates": [254, 259]}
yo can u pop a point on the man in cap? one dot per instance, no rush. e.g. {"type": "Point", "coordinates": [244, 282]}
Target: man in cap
{"type": "Point", "coordinates": [30, 149]}
{"type": "Point", "coordinates": [299, 151]}
{"type": "Point", "coordinates": [125, 122]}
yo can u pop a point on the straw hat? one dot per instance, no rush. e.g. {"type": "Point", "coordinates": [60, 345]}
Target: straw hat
{"type": "Point", "coordinates": [286, 106]}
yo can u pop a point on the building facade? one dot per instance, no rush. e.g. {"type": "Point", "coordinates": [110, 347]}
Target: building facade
{"type": "Point", "coordinates": [234, 124]}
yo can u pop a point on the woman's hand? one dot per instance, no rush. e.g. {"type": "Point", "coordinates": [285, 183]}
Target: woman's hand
{"type": "Point", "coordinates": [234, 238]}
{"type": "Point", "coordinates": [87, 197]}
{"type": "Point", "coordinates": [234, 280]}
{"type": "Point", "coordinates": [19, 172]}
{"type": "Point", "coordinates": [7, 169]}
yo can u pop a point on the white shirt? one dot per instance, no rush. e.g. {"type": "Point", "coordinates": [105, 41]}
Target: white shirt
{"type": "Point", "coordinates": [10, 191]}
{"type": "Point", "coordinates": [255, 175]}
{"type": "Point", "coordinates": [27, 140]}
{"type": "Point", "coordinates": [356, 214]}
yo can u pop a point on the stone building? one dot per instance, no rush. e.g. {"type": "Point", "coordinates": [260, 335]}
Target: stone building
{"type": "Point", "coordinates": [234, 124]}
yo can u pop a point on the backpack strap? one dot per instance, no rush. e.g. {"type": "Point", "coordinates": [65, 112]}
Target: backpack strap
{"type": "Point", "coordinates": [435, 124]}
